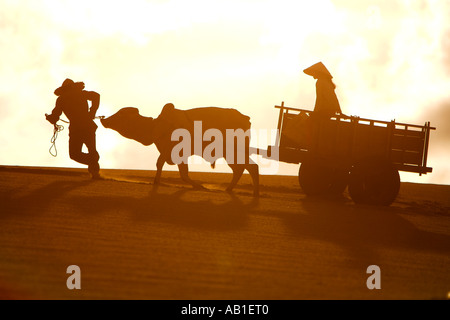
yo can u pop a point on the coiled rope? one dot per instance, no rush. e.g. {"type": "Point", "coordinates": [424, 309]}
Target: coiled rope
{"type": "Point", "coordinates": [56, 129]}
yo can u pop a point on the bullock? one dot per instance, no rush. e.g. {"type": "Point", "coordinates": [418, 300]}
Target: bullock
{"type": "Point", "coordinates": [213, 132]}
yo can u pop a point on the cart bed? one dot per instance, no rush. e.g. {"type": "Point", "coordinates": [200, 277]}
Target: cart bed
{"type": "Point", "coordinates": [349, 140]}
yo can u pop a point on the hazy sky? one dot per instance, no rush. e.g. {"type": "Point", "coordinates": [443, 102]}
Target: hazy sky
{"type": "Point", "coordinates": [390, 60]}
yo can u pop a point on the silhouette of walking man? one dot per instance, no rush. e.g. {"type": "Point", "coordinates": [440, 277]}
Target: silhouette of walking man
{"type": "Point", "coordinates": [73, 101]}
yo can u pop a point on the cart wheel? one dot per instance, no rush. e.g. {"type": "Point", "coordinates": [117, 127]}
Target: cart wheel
{"type": "Point", "coordinates": [374, 182]}
{"type": "Point", "coordinates": [315, 179]}
{"type": "Point", "coordinates": [340, 178]}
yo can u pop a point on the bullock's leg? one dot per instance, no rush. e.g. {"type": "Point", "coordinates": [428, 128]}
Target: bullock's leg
{"type": "Point", "coordinates": [238, 170]}
{"type": "Point", "coordinates": [159, 167]}
{"type": "Point", "coordinates": [184, 174]}
{"type": "Point", "coordinates": [253, 169]}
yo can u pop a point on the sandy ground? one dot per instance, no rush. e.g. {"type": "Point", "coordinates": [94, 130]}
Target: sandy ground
{"type": "Point", "coordinates": [134, 242]}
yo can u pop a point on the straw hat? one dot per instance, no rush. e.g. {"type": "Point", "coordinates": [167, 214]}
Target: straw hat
{"type": "Point", "coordinates": [318, 69]}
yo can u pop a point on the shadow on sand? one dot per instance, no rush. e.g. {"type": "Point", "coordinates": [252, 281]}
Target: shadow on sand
{"type": "Point", "coordinates": [361, 230]}
{"type": "Point", "coordinates": [37, 201]}
{"type": "Point", "coordinates": [186, 207]}
{"type": "Point", "coordinates": [358, 230]}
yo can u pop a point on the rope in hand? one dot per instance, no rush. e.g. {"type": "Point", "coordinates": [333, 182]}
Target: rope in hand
{"type": "Point", "coordinates": [56, 129]}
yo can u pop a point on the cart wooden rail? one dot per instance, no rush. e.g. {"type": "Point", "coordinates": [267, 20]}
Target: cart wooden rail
{"type": "Point", "coordinates": [364, 154]}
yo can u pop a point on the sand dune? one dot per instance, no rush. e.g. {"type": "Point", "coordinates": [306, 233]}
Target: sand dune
{"type": "Point", "coordinates": [134, 242]}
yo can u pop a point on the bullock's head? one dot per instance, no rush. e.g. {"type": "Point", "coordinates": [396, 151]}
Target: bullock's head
{"type": "Point", "coordinates": [130, 124]}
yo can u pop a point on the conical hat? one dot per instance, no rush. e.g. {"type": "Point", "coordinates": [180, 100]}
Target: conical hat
{"type": "Point", "coordinates": [317, 69]}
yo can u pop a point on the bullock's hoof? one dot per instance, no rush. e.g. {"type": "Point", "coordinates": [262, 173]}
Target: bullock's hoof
{"type": "Point", "coordinates": [229, 190]}
{"type": "Point", "coordinates": [97, 176]}
{"type": "Point", "coordinates": [199, 187]}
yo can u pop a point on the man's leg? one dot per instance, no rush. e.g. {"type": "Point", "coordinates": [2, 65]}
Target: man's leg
{"type": "Point", "coordinates": [93, 165]}
{"type": "Point", "coordinates": [76, 141]}
{"type": "Point", "coordinates": [75, 148]}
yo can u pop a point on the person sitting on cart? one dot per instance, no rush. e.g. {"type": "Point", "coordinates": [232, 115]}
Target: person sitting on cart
{"type": "Point", "coordinates": [305, 128]}
{"type": "Point", "coordinates": [327, 104]}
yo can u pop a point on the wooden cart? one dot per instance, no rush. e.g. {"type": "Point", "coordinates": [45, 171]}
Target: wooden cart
{"type": "Point", "coordinates": [364, 154]}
